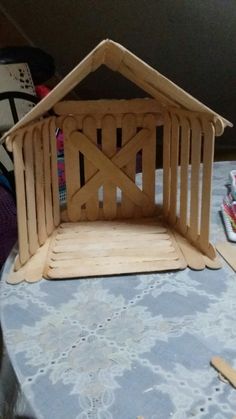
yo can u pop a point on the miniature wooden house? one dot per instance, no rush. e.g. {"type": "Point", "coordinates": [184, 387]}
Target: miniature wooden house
{"type": "Point", "coordinates": [110, 234]}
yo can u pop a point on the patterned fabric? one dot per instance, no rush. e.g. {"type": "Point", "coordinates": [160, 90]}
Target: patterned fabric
{"type": "Point", "coordinates": [125, 346]}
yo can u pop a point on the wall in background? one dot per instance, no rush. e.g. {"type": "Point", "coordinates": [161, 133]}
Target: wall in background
{"type": "Point", "coordinates": [192, 42]}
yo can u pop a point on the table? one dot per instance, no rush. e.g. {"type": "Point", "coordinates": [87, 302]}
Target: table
{"type": "Point", "coordinates": [126, 346]}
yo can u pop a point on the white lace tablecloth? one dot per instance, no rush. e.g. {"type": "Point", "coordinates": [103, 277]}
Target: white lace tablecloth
{"type": "Point", "coordinates": [126, 346]}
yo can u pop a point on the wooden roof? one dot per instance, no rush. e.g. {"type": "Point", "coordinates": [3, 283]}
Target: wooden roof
{"type": "Point", "coordinates": [118, 58]}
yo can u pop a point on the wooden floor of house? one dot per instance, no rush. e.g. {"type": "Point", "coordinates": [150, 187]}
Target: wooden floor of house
{"type": "Point", "coordinates": [112, 247]}
{"type": "Point", "coordinates": [101, 248]}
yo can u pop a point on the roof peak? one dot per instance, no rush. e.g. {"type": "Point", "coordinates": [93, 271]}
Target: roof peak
{"type": "Point", "coordinates": [118, 58]}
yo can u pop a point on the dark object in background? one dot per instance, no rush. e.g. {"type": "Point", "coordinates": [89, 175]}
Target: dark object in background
{"type": "Point", "coordinates": [40, 63]}
{"type": "Point", "coordinates": [8, 223]}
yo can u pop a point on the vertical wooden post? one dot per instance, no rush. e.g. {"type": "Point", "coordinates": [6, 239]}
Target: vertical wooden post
{"type": "Point", "coordinates": [23, 242]}
{"type": "Point", "coordinates": [72, 169]}
{"type": "Point", "coordinates": [30, 193]}
{"type": "Point", "coordinates": [208, 156]}
{"type": "Point", "coordinates": [45, 132]}
{"type": "Point", "coordinates": [195, 181]}
{"type": "Point", "coordinates": [128, 131]}
{"type": "Point", "coordinates": [174, 160]}
{"type": "Point", "coordinates": [149, 164]}
{"type": "Point", "coordinates": [166, 164]}
{"type": "Point", "coordinates": [90, 130]}
{"type": "Point", "coordinates": [39, 182]}
{"type": "Point", "coordinates": [109, 148]}
{"type": "Point", "coordinates": [184, 166]}
{"type": "Point", "coordinates": [54, 173]}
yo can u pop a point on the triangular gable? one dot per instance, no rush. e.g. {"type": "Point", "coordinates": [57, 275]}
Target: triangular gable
{"type": "Point", "coordinates": [118, 58]}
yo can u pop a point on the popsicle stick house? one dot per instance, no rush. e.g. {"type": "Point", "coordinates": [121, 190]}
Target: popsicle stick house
{"type": "Point", "coordinates": [107, 235]}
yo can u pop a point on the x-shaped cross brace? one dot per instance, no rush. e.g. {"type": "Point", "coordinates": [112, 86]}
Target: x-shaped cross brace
{"type": "Point", "coordinates": [109, 168]}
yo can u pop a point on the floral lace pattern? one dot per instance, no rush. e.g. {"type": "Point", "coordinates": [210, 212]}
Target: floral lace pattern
{"type": "Point", "coordinates": [128, 346]}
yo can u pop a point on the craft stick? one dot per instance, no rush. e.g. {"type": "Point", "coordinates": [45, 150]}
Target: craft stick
{"type": "Point", "coordinates": [109, 149]}
{"type": "Point", "coordinates": [225, 369]}
{"type": "Point", "coordinates": [30, 193]}
{"type": "Point", "coordinates": [75, 271]}
{"type": "Point", "coordinates": [54, 173]}
{"type": "Point", "coordinates": [166, 164]}
{"type": "Point", "coordinates": [208, 158]}
{"type": "Point", "coordinates": [192, 256]}
{"type": "Point", "coordinates": [119, 244]}
{"type": "Point", "coordinates": [184, 166]}
{"type": "Point", "coordinates": [195, 180]}
{"type": "Point", "coordinates": [39, 177]}
{"type": "Point", "coordinates": [155, 252]}
{"type": "Point", "coordinates": [107, 106]}
{"type": "Point", "coordinates": [21, 199]}
{"type": "Point", "coordinates": [108, 169]}
{"type": "Point", "coordinates": [121, 158]}
{"type": "Point", "coordinates": [92, 205]}
{"type": "Point", "coordinates": [149, 164]}
{"type": "Point", "coordinates": [72, 169]}
{"type": "Point", "coordinates": [174, 160]}
{"type": "Point", "coordinates": [212, 263]}
{"type": "Point", "coordinates": [228, 252]}
{"type": "Point", "coordinates": [47, 177]}
{"type": "Point", "coordinates": [128, 131]}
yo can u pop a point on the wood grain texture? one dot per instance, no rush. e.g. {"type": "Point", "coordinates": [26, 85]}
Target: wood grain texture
{"type": "Point", "coordinates": [24, 252]}
{"type": "Point", "coordinates": [30, 194]}
{"type": "Point", "coordinates": [128, 131]}
{"type": "Point", "coordinates": [195, 177]}
{"type": "Point", "coordinates": [208, 157]}
{"type": "Point", "coordinates": [45, 132]}
{"type": "Point", "coordinates": [39, 177]}
{"type": "Point", "coordinates": [174, 160]}
{"type": "Point", "coordinates": [149, 164]}
{"type": "Point", "coordinates": [184, 167]}
{"type": "Point", "coordinates": [228, 252]}
{"type": "Point", "coordinates": [121, 247]}
{"type": "Point", "coordinates": [193, 257]}
{"type": "Point", "coordinates": [108, 168]}
{"type": "Point", "coordinates": [225, 369]}
{"type": "Point", "coordinates": [109, 149]}
{"type": "Point", "coordinates": [54, 173]}
{"type": "Point", "coordinates": [92, 205]}
{"type": "Point", "coordinates": [72, 168]}
{"type": "Point", "coordinates": [166, 164]}
{"type": "Point", "coordinates": [108, 106]}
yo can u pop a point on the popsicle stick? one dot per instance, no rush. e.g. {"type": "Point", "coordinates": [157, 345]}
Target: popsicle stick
{"type": "Point", "coordinates": [174, 160]}
{"type": "Point", "coordinates": [193, 257]}
{"type": "Point", "coordinates": [30, 194]}
{"type": "Point", "coordinates": [120, 244]}
{"type": "Point", "coordinates": [208, 158]}
{"type": "Point", "coordinates": [109, 149]}
{"type": "Point", "coordinates": [128, 131]}
{"type": "Point", "coordinates": [195, 180]}
{"type": "Point", "coordinates": [24, 253]}
{"type": "Point", "coordinates": [155, 252]}
{"type": "Point", "coordinates": [39, 177]}
{"type": "Point", "coordinates": [184, 165]}
{"type": "Point", "coordinates": [75, 271]}
{"type": "Point", "coordinates": [166, 163]}
{"type": "Point", "coordinates": [72, 169]}
{"type": "Point", "coordinates": [212, 263]}
{"type": "Point", "coordinates": [47, 177]}
{"type": "Point", "coordinates": [228, 252]}
{"type": "Point", "coordinates": [92, 205]}
{"type": "Point", "coordinates": [225, 369]}
{"type": "Point", "coordinates": [109, 168]}
{"type": "Point", "coordinates": [54, 173]}
{"type": "Point", "coordinates": [149, 164]}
